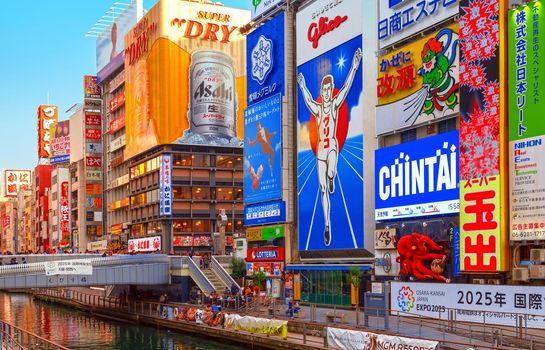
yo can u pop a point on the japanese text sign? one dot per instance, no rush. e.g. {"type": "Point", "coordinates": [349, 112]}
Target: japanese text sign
{"type": "Point", "coordinates": [14, 180]}
{"type": "Point", "coordinates": [47, 119]}
{"type": "Point", "coordinates": [165, 185]}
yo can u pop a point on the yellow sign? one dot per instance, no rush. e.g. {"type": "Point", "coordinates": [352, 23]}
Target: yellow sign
{"type": "Point", "coordinates": [185, 66]}
{"type": "Point", "coordinates": [419, 81]}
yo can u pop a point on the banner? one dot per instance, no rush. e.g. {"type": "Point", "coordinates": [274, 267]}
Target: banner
{"type": "Point", "coordinates": [265, 57]}
{"type": "Point", "coordinates": [14, 180]}
{"type": "Point", "coordinates": [148, 244]}
{"type": "Point", "coordinates": [330, 125]}
{"type": "Point", "coordinates": [490, 304]}
{"type": "Point", "coordinates": [419, 82]}
{"type": "Point", "coordinates": [69, 267]}
{"type": "Point", "coordinates": [526, 26]}
{"type": "Point", "coordinates": [482, 243]}
{"type": "Point", "coordinates": [260, 7]}
{"type": "Point", "coordinates": [185, 66]}
{"type": "Point", "coordinates": [47, 118]}
{"type": "Point", "coordinates": [265, 213]}
{"type": "Point", "coordinates": [418, 178]}
{"type": "Point", "coordinates": [264, 233]}
{"type": "Point", "coordinates": [263, 151]}
{"type": "Point", "coordinates": [399, 19]}
{"type": "Point", "coordinates": [338, 338]}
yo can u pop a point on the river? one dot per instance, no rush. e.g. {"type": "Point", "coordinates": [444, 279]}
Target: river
{"type": "Point", "coordinates": [80, 331]}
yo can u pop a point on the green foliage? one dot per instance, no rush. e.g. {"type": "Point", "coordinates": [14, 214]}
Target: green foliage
{"type": "Point", "coordinates": [258, 278]}
{"type": "Point", "coordinates": [354, 275]}
{"type": "Point", "coordinates": [238, 267]}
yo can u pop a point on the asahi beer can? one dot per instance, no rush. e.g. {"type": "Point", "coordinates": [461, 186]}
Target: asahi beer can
{"type": "Point", "coordinates": [213, 100]}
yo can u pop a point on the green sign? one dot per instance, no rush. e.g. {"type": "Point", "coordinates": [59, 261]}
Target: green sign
{"type": "Point", "coordinates": [268, 233]}
{"type": "Point", "coordinates": [526, 83]}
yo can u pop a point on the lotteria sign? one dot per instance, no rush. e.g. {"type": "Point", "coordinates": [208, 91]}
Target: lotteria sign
{"type": "Point", "coordinates": [418, 178]}
{"type": "Point", "coordinates": [265, 254]}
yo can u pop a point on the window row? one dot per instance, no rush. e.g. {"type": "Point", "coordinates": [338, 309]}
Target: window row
{"type": "Point", "coordinates": [207, 160]}
{"type": "Point", "coordinates": [204, 225]}
{"type": "Point", "coordinates": [205, 193]}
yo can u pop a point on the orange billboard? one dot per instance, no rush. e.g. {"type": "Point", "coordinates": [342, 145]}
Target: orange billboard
{"type": "Point", "coordinates": [185, 66]}
{"type": "Point", "coordinates": [47, 119]}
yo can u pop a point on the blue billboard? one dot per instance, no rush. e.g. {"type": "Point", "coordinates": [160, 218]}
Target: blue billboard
{"type": "Point", "coordinates": [418, 178]}
{"type": "Point", "coordinates": [265, 213]}
{"type": "Point", "coordinates": [263, 151]}
{"type": "Point", "coordinates": [330, 148]}
{"type": "Point", "coordinates": [265, 60]}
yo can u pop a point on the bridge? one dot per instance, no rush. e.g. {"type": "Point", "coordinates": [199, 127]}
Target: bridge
{"type": "Point", "coordinates": [42, 271]}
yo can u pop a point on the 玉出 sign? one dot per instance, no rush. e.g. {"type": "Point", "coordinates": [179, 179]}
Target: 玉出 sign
{"type": "Point", "coordinates": [400, 19]}
{"type": "Point", "coordinates": [148, 244]}
{"type": "Point", "coordinates": [490, 304]}
{"type": "Point", "coordinates": [418, 178]}
{"type": "Point", "coordinates": [165, 185]}
{"type": "Point", "coordinates": [69, 267]}
{"type": "Point", "coordinates": [265, 254]}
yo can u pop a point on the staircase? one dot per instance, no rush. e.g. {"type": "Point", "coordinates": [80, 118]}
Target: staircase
{"type": "Point", "coordinates": [219, 286]}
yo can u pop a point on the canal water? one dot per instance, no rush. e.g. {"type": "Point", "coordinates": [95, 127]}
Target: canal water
{"type": "Point", "coordinates": [80, 331]}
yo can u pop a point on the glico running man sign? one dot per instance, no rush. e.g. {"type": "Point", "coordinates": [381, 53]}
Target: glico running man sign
{"type": "Point", "coordinates": [329, 114]}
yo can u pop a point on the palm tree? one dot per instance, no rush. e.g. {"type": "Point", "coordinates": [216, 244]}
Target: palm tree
{"type": "Point", "coordinates": [354, 275]}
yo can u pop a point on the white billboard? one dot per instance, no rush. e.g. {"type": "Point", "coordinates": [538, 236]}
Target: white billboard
{"type": "Point", "coordinates": [260, 7]}
{"type": "Point", "coordinates": [399, 19]}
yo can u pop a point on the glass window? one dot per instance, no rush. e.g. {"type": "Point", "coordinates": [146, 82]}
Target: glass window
{"type": "Point", "coordinates": [238, 194]}
{"type": "Point", "coordinates": [183, 160]}
{"type": "Point", "coordinates": [447, 125]}
{"type": "Point", "coordinates": [201, 193]}
{"type": "Point", "coordinates": [225, 162]}
{"type": "Point", "coordinates": [408, 135]}
{"type": "Point", "coordinates": [182, 226]}
{"type": "Point", "coordinates": [239, 225]}
{"type": "Point", "coordinates": [225, 194]}
{"type": "Point", "coordinates": [239, 162]}
{"type": "Point", "coordinates": [201, 160]}
{"type": "Point", "coordinates": [181, 192]}
{"type": "Point", "coordinates": [201, 225]}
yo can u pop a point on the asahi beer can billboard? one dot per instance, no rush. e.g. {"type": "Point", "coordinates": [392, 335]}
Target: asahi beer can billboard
{"type": "Point", "coordinates": [185, 66]}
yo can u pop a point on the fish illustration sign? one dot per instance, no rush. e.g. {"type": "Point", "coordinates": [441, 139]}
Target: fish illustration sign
{"type": "Point", "coordinates": [419, 82]}
{"type": "Point", "coordinates": [330, 140]}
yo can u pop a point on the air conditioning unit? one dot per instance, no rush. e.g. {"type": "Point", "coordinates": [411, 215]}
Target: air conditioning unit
{"type": "Point", "coordinates": [494, 281]}
{"type": "Point", "coordinates": [537, 255]}
{"type": "Point", "coordinates": [537, 272]}
{"type": "Point", "coordinates": [521, 274]}
{"type": "Point", "coordinates": [479, 281]}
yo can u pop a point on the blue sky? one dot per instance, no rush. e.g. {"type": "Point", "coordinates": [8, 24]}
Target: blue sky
{"type": "Point", "coordinates": [44, 50]}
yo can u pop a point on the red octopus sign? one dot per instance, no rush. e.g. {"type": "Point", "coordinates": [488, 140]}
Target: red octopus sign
{"type": "Point", "coordinates": [415, 252]}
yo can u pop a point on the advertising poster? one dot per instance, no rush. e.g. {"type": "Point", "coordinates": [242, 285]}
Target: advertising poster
{"type": "Point", "coordinates": [90, 87]}
{"type": "Point", "coordinates": [47, 118]}
{"type": "Point", "coordinates": [482, 246]}
{"type": "Point", "coordinates": [477, 303]}
{"type": "Point", "coordinates": [526, 27]}
{"type": "Point", "coordinates": [263, 151]}
{"type": "Point", "coordinates": [60, 144]}
{"type": "Point", "coordinates": [399, 19]}
{"type": "Point", "coordinates": [419, 82]}
{"type": "Point", "coordinates": [110, 43]}
{"type": "Point", "coordinates": [330, 126]}
{"type": "Point", "coordinates": [417, 178]}
{"type": "Point", "coordinates": [185, 65]}
{"type": "Point", "coordinates": [64, 220]}
{"type": "Point", "coordinates": [14, 180]}
{"type": "Point", "coordinates": [385, 262]}
{"type": "Point", "coordinates": [265, 213]}
{"type": "Point", "coordinates": [265, 57]}
{"type": "Point", "coordinates": [260, 7]}
{"type": "Point", "coordinates": [148, 244]}
{"type": "Point", "coordinates": [165, 185]}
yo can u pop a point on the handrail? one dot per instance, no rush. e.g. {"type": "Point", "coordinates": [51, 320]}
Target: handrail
{"type": "Point", "coordinates": [13, 337]}
{"type": "Point", "coordinates": [225, 277]}
{"type": "Point", "coordinates": [199, 277]}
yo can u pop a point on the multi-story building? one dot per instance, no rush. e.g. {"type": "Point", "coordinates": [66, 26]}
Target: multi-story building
{"type": "Point", "coordinates": [41, 188]}
{"type": "Point", "coordinates": [59, 219]}
{"type": "Point", "coordinates": [204, 180]}
{"type": "Point", "coordinates": [8, 229]}
{"type": "Point", "coordinates": [24, 224]}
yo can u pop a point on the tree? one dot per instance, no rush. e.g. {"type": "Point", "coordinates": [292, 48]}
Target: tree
{"type": "Point", "coordinates": [238, 267]}
{"type": "Point", "coordinates": [258, 277]}
{"type": "Point", "coordinates": [354, 276]}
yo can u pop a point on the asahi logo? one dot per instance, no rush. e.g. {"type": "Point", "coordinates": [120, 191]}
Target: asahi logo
{"type": "Point", "coordinates": [208, 90]}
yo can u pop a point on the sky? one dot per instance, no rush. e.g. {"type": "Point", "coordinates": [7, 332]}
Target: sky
{"type": "Point", "coordinates": [45, 53]}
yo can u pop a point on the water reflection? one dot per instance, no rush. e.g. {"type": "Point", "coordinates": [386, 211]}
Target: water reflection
{"type": "Point", "coordinates": [80, 331]}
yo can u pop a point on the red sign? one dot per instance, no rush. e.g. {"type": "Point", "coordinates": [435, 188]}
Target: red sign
{"type": "Point", "coordinates": [93, 120]}
{"type": "Point", "coordinates": [47, 118]}
{"type": "Point", "coordinates": [116, 229]}
{"type": "Point", "coordinates": [92, 134]}
{"type": "Point", "coordinates": [148, 244]}
{"type": "Point", "coordinates": [269, 268]}
{"type": "Point", "coordinates": [265, 254]}
{"type": "Point", "coordinates": [6, 220]}
{"type": "Point", "coordinates": [117, 124]}
{"type": "Point", "coordinates": [91, 161]}
{"type": "Point", "coordinates": [324, 26]}
{"type": "Point", "coordinates": [117, 102]}
{"type": "Point", "coordinates": [64, 215]}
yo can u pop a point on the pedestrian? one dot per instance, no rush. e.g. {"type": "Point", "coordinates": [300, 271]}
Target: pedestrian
{"type": "Point", "coordinates": [24, 260]}
{"type": "Point", "coordinates": [191, 253]}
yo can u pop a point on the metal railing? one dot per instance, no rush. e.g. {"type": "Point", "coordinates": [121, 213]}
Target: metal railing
{"type": "Point", "coordinates": [198, 276]}
{"type": "Point", "coordinates": [219, 271]}
{"type": "Point", "coordinates": [15, 338]}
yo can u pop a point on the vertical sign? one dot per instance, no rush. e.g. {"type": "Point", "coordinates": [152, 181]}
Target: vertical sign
{"type": "Point", "coordinates": [47, 118]}
{"type": "Point", "coordinates": [526, 27]}
{"type": "Point", "coordinates": [330, 125]}
{"type": "Point", "coordinates": [482, 246]}
{"type": "Point", "coordinates": [165, 189]}
{"type": "Point", "coordinates": [64, 225]}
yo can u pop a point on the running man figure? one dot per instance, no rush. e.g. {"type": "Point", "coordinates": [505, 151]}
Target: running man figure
{"type": "Point", "coordinates": [264, 138]}
{"type": "Point", "coordinates": [326, 113]}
